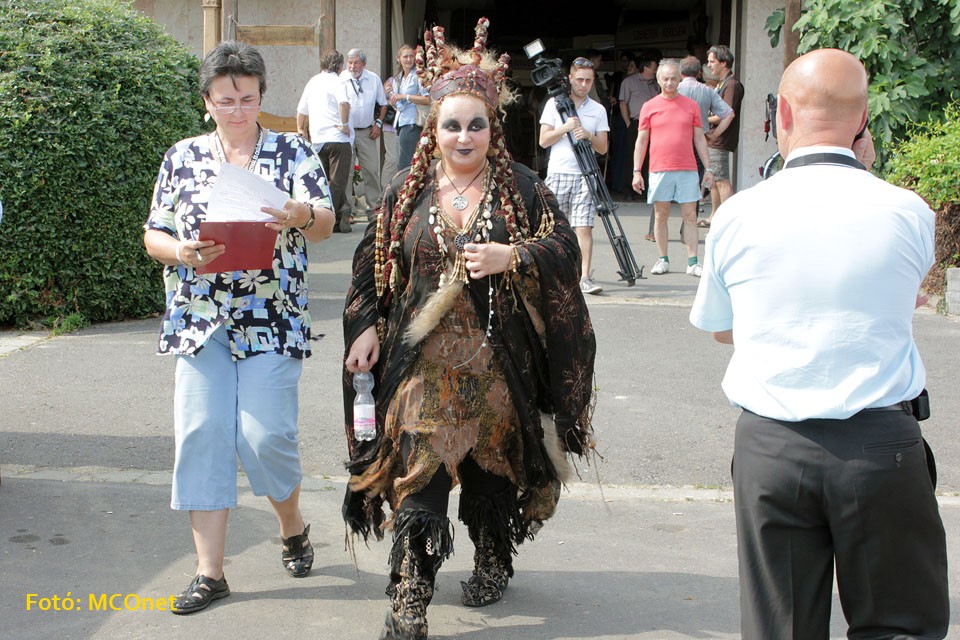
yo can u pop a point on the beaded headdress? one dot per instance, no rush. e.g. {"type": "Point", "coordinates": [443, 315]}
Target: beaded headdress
{"type": "Point", "coordinates": [445, 70]}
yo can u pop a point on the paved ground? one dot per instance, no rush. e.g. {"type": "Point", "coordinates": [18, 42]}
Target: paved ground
{"type": "Point", "coordinates": [647, 553]}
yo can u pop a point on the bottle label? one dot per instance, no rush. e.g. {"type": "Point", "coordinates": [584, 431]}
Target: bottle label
{"type": "Point", "coordinates": [364, 421]}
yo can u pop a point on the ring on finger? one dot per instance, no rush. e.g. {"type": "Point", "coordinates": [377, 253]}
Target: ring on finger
{"type": "Point", "coordinates": [199, 256]}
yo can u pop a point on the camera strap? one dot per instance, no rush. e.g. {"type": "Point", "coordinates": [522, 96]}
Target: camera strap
{"type": "Point", "coordinates": [823, 158]}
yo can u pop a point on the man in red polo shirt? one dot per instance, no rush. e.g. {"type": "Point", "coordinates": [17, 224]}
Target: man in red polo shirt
{"type": "Point", "coordinates": [668, 125]}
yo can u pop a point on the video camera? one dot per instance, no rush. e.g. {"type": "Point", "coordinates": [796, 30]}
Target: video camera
{"type": "Point", "coordinates": [547, 72]}
{"type": "Point", "coordinates": [551, 74]}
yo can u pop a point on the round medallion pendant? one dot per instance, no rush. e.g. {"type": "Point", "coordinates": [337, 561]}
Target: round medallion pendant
{"type": "Point", "coordinates": [460, 241]}
{"type": "Point", "coordinates": [460, 202]}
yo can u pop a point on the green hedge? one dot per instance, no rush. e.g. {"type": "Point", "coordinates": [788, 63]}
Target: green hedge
{"type": "Point", "coordinates": [928, 162]}
{"type": "Point", "coordinates": [92, 93]}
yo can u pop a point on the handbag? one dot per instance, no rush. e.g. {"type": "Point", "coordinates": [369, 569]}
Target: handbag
{"type": "Point", "coordinates": [391, 115]}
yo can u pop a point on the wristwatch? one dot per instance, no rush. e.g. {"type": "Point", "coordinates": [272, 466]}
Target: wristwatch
{"type": "Point", "coordinates": [312, 220]}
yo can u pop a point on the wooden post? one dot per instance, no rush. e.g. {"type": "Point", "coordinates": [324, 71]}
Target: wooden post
{"type": "Point", "coordinates": [791, 39]}
{"type": "Point", "coordinates": [211, 24]}
{"type": "Point", "coordinates": [327, 39]}
{"type": "Point", "coordinates": [230, 19]}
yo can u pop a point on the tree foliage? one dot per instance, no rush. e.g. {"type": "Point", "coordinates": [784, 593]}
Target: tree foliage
{"type": "Point", "coordinates": [91, 95]}
{"type": "Point", "coordinates": [910, 49]}
{"type": "Point", "coordinates": [927, 161]}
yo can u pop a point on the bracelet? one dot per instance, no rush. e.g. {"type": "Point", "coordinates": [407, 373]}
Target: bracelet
{"type": "Point", "coordinates": [179, 259]}
{"type": "Point", "coordinates": [514, 259]}
{"type": "Point", "coordinates": [638, 170]}
{"type": "Point", "coordinates": [378, 122]}
{"type": "Point", "coordinates": [311, 221]}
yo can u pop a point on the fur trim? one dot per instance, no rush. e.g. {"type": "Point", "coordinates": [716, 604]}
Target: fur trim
{"type": "Point", "coordinates": [551, 442]}
{"type": "Point", "coordinates": [439, 303]}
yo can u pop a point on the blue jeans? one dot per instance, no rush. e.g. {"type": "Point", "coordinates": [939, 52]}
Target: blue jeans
{"type": "Point", "coordinates": [407, 138]}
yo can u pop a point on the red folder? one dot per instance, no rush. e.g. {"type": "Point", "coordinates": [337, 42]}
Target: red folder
{"type": "Point", "coordinates": [249, 245]}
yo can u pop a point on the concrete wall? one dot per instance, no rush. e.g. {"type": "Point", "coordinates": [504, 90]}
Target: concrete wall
{"type": "Point", "coordinates": [759, 68]}
{"type": "Point", "coordinates": [359, 24]}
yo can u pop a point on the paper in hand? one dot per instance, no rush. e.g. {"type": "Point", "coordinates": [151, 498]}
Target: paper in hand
{"type": "Point", "coordinates": [239, 194]}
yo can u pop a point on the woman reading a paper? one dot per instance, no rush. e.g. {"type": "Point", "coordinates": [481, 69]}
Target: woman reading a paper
{"type": "Point", "coordinates": [239, 337]}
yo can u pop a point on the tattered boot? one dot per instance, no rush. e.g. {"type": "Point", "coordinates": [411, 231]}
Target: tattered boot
{"type": "Point", "coordinates": [422, 541]}
{"type": "Point", "coordinates": [491, 573]}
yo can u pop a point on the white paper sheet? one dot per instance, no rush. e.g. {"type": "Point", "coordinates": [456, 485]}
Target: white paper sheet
{"type": "Point", "coordinates": [239, 194]}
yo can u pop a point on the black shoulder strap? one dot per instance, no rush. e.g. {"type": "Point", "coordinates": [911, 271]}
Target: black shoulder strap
{"type": "Point", "coordinates": [824, 158]}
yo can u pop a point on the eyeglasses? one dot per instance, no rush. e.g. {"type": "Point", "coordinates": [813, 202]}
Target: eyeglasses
{"type": "Point", "coordinates": [231, 109]}
{"type": "Point", "coordinates": [582, 62]}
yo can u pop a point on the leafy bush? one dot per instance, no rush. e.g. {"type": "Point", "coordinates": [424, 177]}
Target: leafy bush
{"type": "Point", "coordinates": [928, 162]}
{"type": "Point", "coordinates": [91, 95]}
{"type": "Point", "coordinates": [910, 49]}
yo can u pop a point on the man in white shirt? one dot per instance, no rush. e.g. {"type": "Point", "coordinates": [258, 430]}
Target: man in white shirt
{"type": "Point", "coordinates": [564, 176]}
{"type": "Point", "coordinates": [830, 466]}
{"type": "Point", "coordinates": [323, 118]}
{"type": "Point", "coordinates": [368, 106]}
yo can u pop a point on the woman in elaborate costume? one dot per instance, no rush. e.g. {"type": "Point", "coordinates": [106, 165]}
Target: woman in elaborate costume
{"type": "Point", "coordinates": [466, 305]}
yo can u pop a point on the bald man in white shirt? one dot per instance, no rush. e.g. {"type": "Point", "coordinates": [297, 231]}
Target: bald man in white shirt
{"type": "Point", "coordinates": [830, 466]}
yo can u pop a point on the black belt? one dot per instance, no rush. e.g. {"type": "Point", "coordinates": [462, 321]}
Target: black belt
{"type": "Point", "coordinates": [899, 406]}
{"type": "Point", "coordinates": [362, 128]}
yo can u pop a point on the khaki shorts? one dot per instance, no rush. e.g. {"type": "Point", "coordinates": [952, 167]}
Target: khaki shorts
{"type": "Point", "coordinates": [720, 164]}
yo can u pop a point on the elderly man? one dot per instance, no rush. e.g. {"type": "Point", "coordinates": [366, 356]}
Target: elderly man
{"type": "Point", "coordinates": [368, 106]}
{"type": "Point", "coordinates": [670, 125]}
{"type": "Point", "coordinates": [830, 466]}
{"type": "Point", "coordinates": [323, 118]}
{"type": "Point", "coordinates": [706, 98]}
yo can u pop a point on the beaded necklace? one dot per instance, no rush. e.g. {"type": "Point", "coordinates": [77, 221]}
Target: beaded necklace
{"type": "Point", "coordinates": [476, 229]}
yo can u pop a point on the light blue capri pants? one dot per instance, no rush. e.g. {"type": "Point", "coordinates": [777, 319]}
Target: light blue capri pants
{"type": "Point", "coordinates": [225, 408]}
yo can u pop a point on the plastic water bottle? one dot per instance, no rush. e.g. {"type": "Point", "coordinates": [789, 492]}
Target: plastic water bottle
{"type": "Point", "coordinates": [364, 409]}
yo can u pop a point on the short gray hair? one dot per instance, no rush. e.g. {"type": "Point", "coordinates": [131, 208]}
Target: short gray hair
{"type": "Point", "coordinates": [668, 62]}
{"type": "Point", "coordinates": [690, 67]}
{"type": "Point", "coordinates": [357, 53]}
{"type": "Point", "coordinates": [233, 59]}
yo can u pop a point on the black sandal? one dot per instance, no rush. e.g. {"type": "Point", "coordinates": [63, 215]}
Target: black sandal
{"type": "Point", "coordinates": [198, 596]}
{"type": "Point", "coordinates": [297, 554]}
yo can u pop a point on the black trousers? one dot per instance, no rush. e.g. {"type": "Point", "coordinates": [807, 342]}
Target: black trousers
{"type": "Point", "coordinates": [857, 494]}
{"type": "Point", "coordinates": [337, 161]}
{"type": "Point", "coordinates": [435, 497]}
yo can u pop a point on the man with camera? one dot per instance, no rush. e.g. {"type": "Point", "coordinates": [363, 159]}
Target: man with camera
{"type": "Point", "coordinates": [830, 467]}
{"type": "Point", "coordinates": [564, 176]}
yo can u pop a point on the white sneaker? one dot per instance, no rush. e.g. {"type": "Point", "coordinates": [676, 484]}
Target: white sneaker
{"type": "Point", "coordinates": [661, 267]}
{"type": "Point", "coordinates": [587, 285]}
{"type": "Point", "coordinates": [694, 270]}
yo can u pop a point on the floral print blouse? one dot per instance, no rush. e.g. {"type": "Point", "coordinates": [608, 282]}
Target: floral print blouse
{"type": "Point", "coordinates": [263, 311]}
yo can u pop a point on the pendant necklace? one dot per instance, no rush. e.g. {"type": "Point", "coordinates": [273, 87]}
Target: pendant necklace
{"type": "Point", "coordinates": [460, 201]}
{"type": "Point", "coordinates": [253, 157]}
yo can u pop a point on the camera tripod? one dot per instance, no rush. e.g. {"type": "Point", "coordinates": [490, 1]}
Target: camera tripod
{"type": "Point", "coordinates": [606, 209]}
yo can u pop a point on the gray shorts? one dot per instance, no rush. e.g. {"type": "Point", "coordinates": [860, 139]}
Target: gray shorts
{"type": "Point", "coordinates": [720, 164]}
